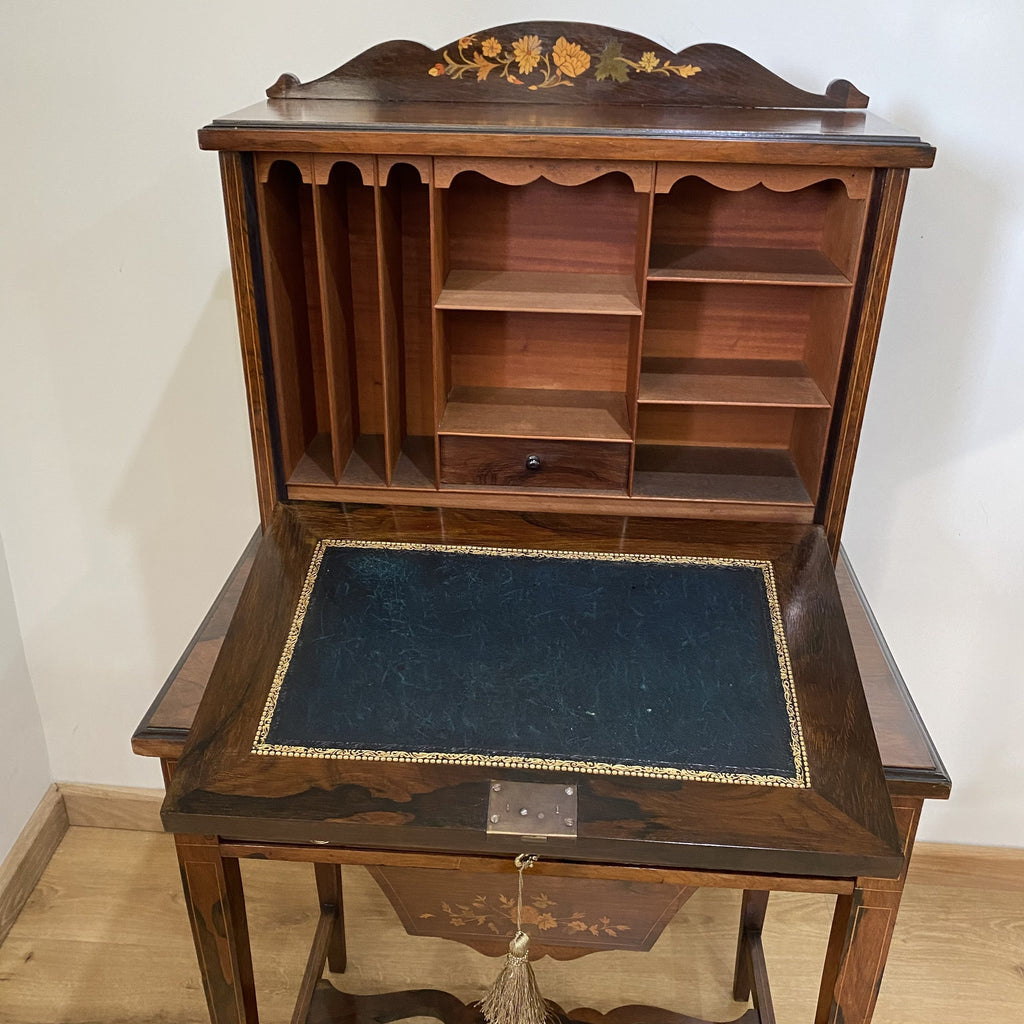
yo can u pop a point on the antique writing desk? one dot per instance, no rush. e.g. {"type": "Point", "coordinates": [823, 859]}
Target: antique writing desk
{"type": "Point", "coordinates": [557, 348]}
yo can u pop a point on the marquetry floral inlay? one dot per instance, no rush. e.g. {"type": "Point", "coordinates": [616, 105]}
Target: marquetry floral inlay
{"type": "Point", "coordinates": [540, 912]}
{"type": "Point", "coordinates": [564, 62]}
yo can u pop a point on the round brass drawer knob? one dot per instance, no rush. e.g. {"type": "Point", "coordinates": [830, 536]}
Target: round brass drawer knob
{"type": "Point", "coordinates": [533, 463]}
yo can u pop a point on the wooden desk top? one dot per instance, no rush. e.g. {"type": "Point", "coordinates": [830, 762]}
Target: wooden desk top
{"type": "Point", "coordinates": [911, 763]}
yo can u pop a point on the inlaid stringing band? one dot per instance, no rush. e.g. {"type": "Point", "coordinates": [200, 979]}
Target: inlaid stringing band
{"type": "Point", "coordinates": [801, 779]}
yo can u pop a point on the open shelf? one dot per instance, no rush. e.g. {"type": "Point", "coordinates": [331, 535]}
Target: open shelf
{"type": "Point", "coordinates": [665, 381]}
{"type": "Point", "coordinates": [809, 235]}
{"type": "Point", "coordinates": [718, 474]}
{"type": "Point", "coordinates": [750, 323]}
{"type": "Point", "coordinates": [680, 446]}
{"type": "Point", "coordinates": [743, 265]}
{"type": "Point", "coordinates": [459, 333]}
{"type": "Point", "coordinates": [532, 291]}
{"type": "Point", "coordinates": [536, 413]}
{"type": "Point", "coordinates": [414, 468]}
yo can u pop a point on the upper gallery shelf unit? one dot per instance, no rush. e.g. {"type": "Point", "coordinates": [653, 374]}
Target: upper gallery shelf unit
{"type": "Point", "coordinates": [556, 266]}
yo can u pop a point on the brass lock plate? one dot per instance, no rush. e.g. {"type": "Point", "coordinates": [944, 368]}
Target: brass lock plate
{"type": "Point", "coordinates": [536, 809]}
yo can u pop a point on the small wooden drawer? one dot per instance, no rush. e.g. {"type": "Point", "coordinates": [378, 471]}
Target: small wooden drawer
{"type": "Point", "coordinates": [534, 462]}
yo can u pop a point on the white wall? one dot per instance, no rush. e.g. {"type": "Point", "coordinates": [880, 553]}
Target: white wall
{"type": "Point", "coordinates": [123, 442]}
{"type": "Point", "coordinates": [24, 766]}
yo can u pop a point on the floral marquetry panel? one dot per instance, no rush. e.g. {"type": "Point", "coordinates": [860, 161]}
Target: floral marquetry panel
{"type": "Point", "coordinates": [565, 918]}
{"type": "Point", "coordinates": [567, 62]}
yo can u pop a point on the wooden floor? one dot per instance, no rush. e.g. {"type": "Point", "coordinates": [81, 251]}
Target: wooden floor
{"type": "Point", "coordinates": [104, 940]}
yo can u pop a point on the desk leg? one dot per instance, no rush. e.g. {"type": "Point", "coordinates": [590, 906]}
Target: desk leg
{"type": "Point", "coordinates": [216, 908]}
{"type": "Point", "coordinates": [755, 904]}
{"type": "Point", "coordinates": [861, 932]}
{"type": "Point", "coordinates": [328, 887]}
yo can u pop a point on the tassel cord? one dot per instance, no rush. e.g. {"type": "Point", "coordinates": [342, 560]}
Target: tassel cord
{"type": "Point", "coordinates": [514, 997]}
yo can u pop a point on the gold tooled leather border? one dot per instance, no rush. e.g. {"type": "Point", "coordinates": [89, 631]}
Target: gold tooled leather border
{"type": "Point", "coordinates": [801, 779]}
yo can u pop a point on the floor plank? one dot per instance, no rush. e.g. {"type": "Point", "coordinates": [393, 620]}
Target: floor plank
{"type": "Point", "coordinates": [104, 938]}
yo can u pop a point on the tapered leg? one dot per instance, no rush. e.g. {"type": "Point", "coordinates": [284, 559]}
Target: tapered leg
{"type": "Point", "coordinates": [752, 912]}
{"type": "Point", "coordinates": [861, 932]}
{"type": "Point", "coordinates": [328, 886]}
{"type": "Point", "coordinates": [216, 908]}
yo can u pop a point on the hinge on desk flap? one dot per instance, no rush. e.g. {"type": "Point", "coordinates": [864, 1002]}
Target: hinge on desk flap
{"type": "Point", "coordinates": [535, 809]}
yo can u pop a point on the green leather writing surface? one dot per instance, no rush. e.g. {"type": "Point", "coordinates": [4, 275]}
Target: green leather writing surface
{"type": "Point", "coordinates": [618, 664]}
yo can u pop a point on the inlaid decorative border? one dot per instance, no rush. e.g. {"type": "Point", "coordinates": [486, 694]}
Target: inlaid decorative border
{"type": "Point", "coordinates": [800, 779]}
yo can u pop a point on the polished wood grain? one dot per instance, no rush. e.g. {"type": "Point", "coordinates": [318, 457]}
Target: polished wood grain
{"type": "Point", "coordinates": [748, 382]}
{"type": "Point", "coordinates": [329, 887]}
{"type": "Point", "coordinates": [330, 208]}
{"type": "Point", "coordinates": [536, 412]}
{"type": "Point", "coordinates": [312, 975]}
{"type": "Point", "coordinates": [534, 462]}
{"type": "Point", "coordinates": [330, 1006]}
{"type": "Point", "coordinates": [388, 229]}
{"type": "Point", "coordinates": [285, 207]}
{"type": "Point", "coordinates": [752, 478]}
{"type": "Point", "coordinates": [752, 913]}
{"type": "Point", "coordinates": [545, 867]}
{"type": "Point", "coordinates": [416, 360]}
{"type": "Point", "coordinates": [568, 917]}
{"type": "Point", "coordinates": [669, 133]}
{"type": "Point", "coordinates": [738, 177]}
{"type": "Point", "coordinates": [550, 351]}
{"type": "Point", "coordinates": [861, 932]}
{"type": "Point", "coordinates": [238, 185]}
{"type": "Point", "coordinates": [533, 291]}
{"type": "Point", "coordinates": [216, 909]}
{"type": "Point", "coordinates": [544, 228]}
{"type": "Point", "coordinates": [726, 321]}
{"type": "Point", "coordinates": [697, 213]}
{"type": "Point", "coordinates": [513, 171]}
{"type": "Point", "coordinates": [744, 265]}
{"type": "Point", "coordinates": [325, 163]}
{"type": "Point", "coordinates": [711, 74]}
{"type": "Point", "coordinates": [683, 505]}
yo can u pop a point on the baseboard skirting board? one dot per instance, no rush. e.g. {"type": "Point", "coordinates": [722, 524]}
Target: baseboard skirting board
{"type": "Point", "coordinates": [96, 806]}
{"type": "Point", "coordinates": [25, 863]}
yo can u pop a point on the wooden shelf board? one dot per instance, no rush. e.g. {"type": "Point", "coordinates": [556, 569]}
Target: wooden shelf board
{"type": "Point", "coordinates": [537, 492]}
{"type": "Point", "coordinates": [766, 382]}
{"type": "Point", "coordinates": [534, 412]}
{"type": "Point", "coordinates": [755, 475]}
{"type": "Point", "coordinates": [602, 503]}
{"type": "Point", "coordinates": [538, 292]}
{"type": "Point", "coordinates": [743, 265]}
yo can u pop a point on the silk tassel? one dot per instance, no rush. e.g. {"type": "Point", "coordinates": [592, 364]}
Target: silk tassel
{"type": "Point", "coordinates": [514, 997]}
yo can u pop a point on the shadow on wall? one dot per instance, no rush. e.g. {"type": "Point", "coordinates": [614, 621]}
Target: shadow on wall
{"type": "Point", "coordinates": [919, 413]}
{"type": "Point", "coordinates": [188, 494]}
{"type": "Point", "coordinates": [933, 528]}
